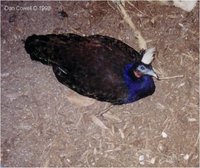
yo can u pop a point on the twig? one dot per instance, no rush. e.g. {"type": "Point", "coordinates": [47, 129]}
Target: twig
{"type": "Point", "coordinates": [75, 31]}
{"type": "Point", "coordinates": [127, 18]}
{"type": "Point", "coordinates": [193, 149]}
{"type": "Point", "coordinates": [171, 77]}
{"type": "Point", "coordinates": [110, 4]}
{"type": "Point", "coordinates": [110, 106]}
{"type": "Point", "coordinates": [130, 3]}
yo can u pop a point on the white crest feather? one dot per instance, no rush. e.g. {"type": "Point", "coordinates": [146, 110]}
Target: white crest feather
{"type": "Point", "coordinates": [148, 56]}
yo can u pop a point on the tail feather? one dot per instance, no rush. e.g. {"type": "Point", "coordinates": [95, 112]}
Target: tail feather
{"type": "Point", "coordinates": [38, 48]}
{"type": "Point", "coordinates": [49, 49]}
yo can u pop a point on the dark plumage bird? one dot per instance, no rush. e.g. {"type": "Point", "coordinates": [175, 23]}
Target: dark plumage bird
{"type": "Point", "coordinates": [96, 66]}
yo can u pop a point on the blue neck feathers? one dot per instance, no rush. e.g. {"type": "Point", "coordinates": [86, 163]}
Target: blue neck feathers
{"type": "Point", "coordinates": [137, 87]}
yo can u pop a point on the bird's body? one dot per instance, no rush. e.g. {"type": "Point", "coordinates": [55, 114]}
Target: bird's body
{"type": "Point", "coordinates": [96, 66]}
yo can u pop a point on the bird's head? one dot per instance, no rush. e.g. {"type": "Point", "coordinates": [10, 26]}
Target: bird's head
{"type": "Point", "coordinates": [144, 67]}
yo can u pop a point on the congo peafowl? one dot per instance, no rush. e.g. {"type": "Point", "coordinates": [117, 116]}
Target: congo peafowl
{"type": "Point", "coordinates": [96, 66]}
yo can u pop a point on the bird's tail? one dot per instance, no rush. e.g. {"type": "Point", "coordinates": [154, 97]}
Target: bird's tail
{"type": "Point", "coordinates": [51, 48]}
{"type": "Point", "coordinates": [40, 48]}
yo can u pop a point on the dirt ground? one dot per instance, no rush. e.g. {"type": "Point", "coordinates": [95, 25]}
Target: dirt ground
{"type": "Point", "coordinates": [41, 127]}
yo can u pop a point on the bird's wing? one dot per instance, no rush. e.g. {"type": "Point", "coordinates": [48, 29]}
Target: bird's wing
{"type": "Point", "coordinates": [126, 49]}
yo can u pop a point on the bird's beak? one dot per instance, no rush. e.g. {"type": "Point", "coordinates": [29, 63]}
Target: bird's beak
{"type": "Point", "coordinates": [151, 72]}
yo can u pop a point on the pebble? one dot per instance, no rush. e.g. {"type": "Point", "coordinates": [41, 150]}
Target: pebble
{"type": "Point", "coordinates": [164, 135]}
{"type": "Point", "coordinates": [141, 159]}
{"type": "Point", "coordinates": [153, 160]}
{"type": "Point", "coordinates": [186, 157]}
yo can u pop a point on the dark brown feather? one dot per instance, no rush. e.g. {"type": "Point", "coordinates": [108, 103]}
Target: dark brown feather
{"type": "Point", "coordinates": [92, 66]}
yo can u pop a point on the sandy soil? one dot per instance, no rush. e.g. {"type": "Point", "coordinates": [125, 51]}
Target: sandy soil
{"type": "Point", "coordinates": [41, 127]}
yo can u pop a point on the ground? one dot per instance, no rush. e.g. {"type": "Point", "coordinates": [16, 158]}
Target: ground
{"type": "Point", "coordinates": [40, 126]}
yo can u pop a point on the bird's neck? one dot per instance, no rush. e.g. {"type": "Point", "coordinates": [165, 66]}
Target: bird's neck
{"type": "Point", "coordinates": [137, 87]}
{"type": "Point", "coordinates": [129, 74]}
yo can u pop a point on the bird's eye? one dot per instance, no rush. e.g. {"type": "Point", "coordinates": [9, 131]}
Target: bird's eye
{"type": "Point", "coordinates": [142, 67]}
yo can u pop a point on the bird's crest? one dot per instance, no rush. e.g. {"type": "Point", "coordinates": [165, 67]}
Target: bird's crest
{"type": "Point", "coordinates": [148, 56]}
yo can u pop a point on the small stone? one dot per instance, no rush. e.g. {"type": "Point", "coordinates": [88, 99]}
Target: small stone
{"type": "Point", "coordinates": [142, 162]}
{"type": "Point", "coordinates": [186, 157]}
{"type": "Point", "coordinates": [164, 135]}
{"type": "Point", "coordinates": [141, 158]}
{"type": "Point", "coordinates": [153, 160]}
{"type": "Point", "coordinates": [160, 147]}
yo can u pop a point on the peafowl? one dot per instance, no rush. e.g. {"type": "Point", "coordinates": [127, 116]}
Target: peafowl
{"type": "Point", "coordinates": [96, 66]}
